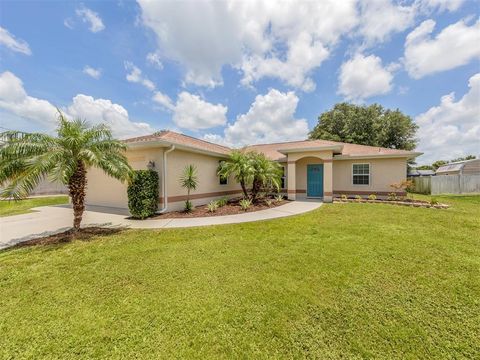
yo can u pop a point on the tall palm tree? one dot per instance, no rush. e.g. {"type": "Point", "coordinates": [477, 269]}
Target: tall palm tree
{"type": "Point", "coordinates": [267, 174]}
{"type": "Point", "coordinates": [189, 181]}
{"type": "Point", "coordinates": [239, 165]}
{"type": "Point", "coordinates": [26, 159]}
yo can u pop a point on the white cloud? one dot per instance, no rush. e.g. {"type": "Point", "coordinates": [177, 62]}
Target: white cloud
{"type": "Point", "coordinates": [285, 40]}
{"type": "Point", "coordinates": [454, 46]}
{"type": "Point", "coordinates": [15, 100]}
{"type": "Point", "coordinates": [94, 73]}
{"type": "Point", "coordinates": [191, 112]}
{"type": "Point", "coordinates": [7, 39]}
{"type": "Point", "coordinates": [452, 128]}
{"type": "Point", "coordinates": [364, 76]}
{"type": "Point", "coordinates": [271, 118]}
{"type": "Point", "coordinates": [439, 5]}
{"type": "Point", "coordinates": [91, 17]}
{"type": "Point", "coordinates": [164, 100]}
{"type": "Point", "coordinates": [381, 18]}
{"type": "Point", "coordinates": [135, 76]}
{"type": "Point", "coordinates": [68, 23]}
{"type": "Point", "coordinates": [103, 111]}
{"type": "Point", "coordinates": [154, 59]}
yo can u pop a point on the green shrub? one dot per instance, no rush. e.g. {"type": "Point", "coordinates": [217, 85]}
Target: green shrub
{"type": "Point", "coordinates": [392, 197]}
{"type": "Point", "coordinates": [245, 204]}
{"type": "Point", "coordinates": [143, 193]}
{"type": "Point", "coordinates": [358, 198]}
{"type": "Point", "coordinates": [212, 206]}
{"type": "Point", "coordinates": [344, 197]}
{"type": "Point", "coordinates": [434, 201]}
{"type": "Point", "coordinates": [372, 197]}
{"type": "Point", "coordinates": [269, 202]}
{"type": "Point", "coordinates": [188, 206]}
{"type": "Point", "coordinates": [279, 198]}
{"type": "Point", "coordinates": [222, 202]}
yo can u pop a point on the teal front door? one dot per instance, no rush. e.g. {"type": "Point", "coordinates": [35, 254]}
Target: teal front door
{"type": "Point", "coordinates": [315, 180]}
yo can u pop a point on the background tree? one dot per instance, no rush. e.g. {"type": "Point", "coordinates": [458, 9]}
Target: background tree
{"type": "Point", "coordinates": [189, 181]}
{"type": "Point", "coordinates": [366, 125]}
{"type": "Point", "coordinates": [26, 159]}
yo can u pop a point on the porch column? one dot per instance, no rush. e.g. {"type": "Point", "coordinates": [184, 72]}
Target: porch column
{"type": "Point", "coordinates": [291, 176]}
{"type": "Point", "coordinates": [328, 180]}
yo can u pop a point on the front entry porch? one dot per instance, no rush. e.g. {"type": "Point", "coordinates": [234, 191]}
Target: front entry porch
{"type": "Point", "coordinates": [310, 175]}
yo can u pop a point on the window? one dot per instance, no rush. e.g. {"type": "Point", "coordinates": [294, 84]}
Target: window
{"type": "Point", "coordinates": [282, 185]}
{"type": "Point", "coordinates": [222, 180]}
{"type": "Point", "coordinates": [361, 174]}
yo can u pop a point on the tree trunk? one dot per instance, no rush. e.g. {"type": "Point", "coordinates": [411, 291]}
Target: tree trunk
{"type": "Point", "coordinates": [244, 189]}
{"type": "Point", "coordinates": [76, 188]}
{"type": "Point", "coordinates": [257, 185]}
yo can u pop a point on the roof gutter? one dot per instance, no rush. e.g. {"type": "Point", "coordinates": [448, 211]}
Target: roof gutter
{"type": "Point", "coordinates": [377, 156]}
{"type": "Point", "coordinates": [334, 148]}
{"type": "Point", "coordinates": [160, 143]}
{"type": "Point", "coordinates": [164, 181]}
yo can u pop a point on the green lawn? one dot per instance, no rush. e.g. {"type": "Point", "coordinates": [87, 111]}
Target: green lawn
{"type": "Point", "coordinates": [23, 206]}
{"type": "Point", "coordinates": [344, 281]}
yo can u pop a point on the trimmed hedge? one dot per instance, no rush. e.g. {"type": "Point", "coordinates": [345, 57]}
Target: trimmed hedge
{"type": "Point", "coordinates": [143, 193]}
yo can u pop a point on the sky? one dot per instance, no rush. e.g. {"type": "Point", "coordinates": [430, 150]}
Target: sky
{"type": "Point", "coordinates": [242, 72]}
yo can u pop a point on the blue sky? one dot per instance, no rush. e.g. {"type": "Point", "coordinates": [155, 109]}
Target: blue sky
{"type": "Point", "coordinates": [242, 72]}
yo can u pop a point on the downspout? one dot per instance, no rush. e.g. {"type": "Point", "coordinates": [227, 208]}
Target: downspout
{"type": "Point", "coordinates": [164, 181]}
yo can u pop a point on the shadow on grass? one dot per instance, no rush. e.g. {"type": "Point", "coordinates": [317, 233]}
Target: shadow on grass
{"type": "Point", "coordinates": [84, 234]}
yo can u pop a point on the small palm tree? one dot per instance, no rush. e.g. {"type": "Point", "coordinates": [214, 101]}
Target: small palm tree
{"type": "Point", "coordinates": [267, 174]}
{"type": "Point", "coordinates": [189, 181]}
{"type": "Point", "coordinates": [239, 165]}
{"type": "Point", "coordinates": [26, 159]}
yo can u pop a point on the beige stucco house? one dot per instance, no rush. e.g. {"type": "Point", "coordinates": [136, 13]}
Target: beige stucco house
{"type": "Point", "coordinates": [312, 169]}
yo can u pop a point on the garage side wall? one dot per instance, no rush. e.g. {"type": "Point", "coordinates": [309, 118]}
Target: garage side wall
{"type": "Point", "coordinates": [103, 190]}
{"type": "Point", "coordinates": [209, 187]}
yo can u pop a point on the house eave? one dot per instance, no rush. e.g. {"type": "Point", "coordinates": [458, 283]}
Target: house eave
{"type": "Point", "coordinates": [334, 148]}
{"type": "Point", "coordinates": [377, 156]}
{"type": "Point", "coordinates": [163, 144]}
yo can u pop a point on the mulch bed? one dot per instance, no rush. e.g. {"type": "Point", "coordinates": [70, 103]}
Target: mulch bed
{"type": "Point", "coordinates": [232, 208]}
{"type": "Point", "coordinates": [84, 234]}
{"type": "Point", "coordinates": [402, 202]}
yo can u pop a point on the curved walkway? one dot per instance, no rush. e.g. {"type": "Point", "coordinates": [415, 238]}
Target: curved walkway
{"type": "Point", "coordinates": [48, 220]}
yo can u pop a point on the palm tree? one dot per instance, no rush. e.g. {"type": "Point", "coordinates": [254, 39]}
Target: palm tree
{"type": "Point", "coordinates": [240, 165]}
{"type": "Point", "coordinates": [189, 181]}
{"type": "Point", "coordinates": [28, 158]}
{"type": "Point", "coordinates": [267, 173]}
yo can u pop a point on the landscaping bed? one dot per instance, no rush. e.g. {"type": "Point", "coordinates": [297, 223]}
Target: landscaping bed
{"type": "Point", "coordinates": [401, 202]}
{"type": "Point", "coordinates": [232, 207]}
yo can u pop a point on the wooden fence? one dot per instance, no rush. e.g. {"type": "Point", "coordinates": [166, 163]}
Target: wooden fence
{"type": "Point", "coordinates": [447, 184]}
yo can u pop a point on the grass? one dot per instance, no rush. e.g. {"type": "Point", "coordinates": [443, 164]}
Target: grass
{"type": "Point", "coordinates": [352, 281]}
{"type": "Point", "coordinates": [8, 208]}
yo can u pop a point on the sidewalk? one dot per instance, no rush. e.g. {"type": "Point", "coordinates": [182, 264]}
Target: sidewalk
{"type": "Point", "coordinates": [48, 220]}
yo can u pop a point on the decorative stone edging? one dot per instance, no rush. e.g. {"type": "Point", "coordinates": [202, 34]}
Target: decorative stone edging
{"type": "Point", "coordinates": [394, 202]}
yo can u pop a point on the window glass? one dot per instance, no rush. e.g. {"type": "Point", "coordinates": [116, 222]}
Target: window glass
{"type": "Point", "coordinates": [361, 174]}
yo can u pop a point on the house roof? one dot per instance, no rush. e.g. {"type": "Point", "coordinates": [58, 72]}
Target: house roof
{"type": "Point", "coordinates": [274, 151]}
{"type": "Point", "coordinates": [174, 138]}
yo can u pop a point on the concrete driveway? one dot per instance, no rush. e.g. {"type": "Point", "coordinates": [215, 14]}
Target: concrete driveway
{"type": "Point", "coordinates": [48, 220]}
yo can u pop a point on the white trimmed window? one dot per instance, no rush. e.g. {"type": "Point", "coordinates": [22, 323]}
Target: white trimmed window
{"type": "Point", "coordinates": [361, 174]}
